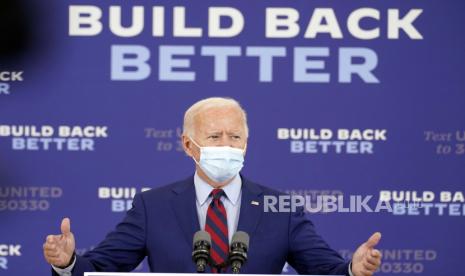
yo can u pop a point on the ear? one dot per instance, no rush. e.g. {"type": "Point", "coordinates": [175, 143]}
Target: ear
{"type": "Point", "coordinates": [187, 145]}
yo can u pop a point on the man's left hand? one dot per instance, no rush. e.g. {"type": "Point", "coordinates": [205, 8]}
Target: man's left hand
{"type": "Point", "coordinates": [367, 259]}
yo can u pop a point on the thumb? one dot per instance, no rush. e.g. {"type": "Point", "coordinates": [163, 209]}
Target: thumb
{"type": "Point", "coordinates": [65, 226]}
{"type": "Point", "coordinates": [373, 240]}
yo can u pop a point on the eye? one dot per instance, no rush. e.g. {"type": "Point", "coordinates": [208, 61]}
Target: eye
{"type": "Point", "coordinates": [213, 137]}
{"type": "Point", "coordinates": [236, 137]}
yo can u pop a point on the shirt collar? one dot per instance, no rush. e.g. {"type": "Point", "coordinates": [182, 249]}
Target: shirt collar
{"type": "Point", "coordinates": [203, 189]}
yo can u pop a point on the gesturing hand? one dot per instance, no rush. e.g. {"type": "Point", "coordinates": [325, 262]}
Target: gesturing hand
{"type": "Point", "coordinates": [367, 259]}
{"type": "Point", "coordinates": [58, 249]}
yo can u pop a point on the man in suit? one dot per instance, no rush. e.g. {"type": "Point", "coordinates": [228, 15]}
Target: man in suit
{"type": "Point", "coordinates": [217, 199]}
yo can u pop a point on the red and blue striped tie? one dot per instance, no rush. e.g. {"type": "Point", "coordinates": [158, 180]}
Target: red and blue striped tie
{"type": "Point", "coordinates": [217, 225]}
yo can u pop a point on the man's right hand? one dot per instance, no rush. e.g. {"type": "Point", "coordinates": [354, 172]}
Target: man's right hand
{"type": "Point", "coordinates": [59, 249]}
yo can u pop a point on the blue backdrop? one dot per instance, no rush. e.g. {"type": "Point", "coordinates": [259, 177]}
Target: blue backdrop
{"type": "Point", "coordinates": [91, 113]}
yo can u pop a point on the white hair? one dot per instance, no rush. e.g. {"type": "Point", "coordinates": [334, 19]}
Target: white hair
{"type": "Point", "coordinates": [208, 103]}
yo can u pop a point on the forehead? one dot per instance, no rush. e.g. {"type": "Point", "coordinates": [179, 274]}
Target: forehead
{"type": "Point", "coordinates": [220, 118]}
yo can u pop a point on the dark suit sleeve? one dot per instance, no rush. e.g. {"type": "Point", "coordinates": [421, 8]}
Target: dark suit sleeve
{"type": "Point", "coordinates": [308, 252]}
{"type": "Point", "coordinates": [123, 249]}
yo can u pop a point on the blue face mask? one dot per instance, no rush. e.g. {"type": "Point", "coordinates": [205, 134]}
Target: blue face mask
{"type": "Point", "coordinates": [220, 163]}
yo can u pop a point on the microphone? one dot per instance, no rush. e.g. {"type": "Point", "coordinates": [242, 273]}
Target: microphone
{"type": "Point", "coordinates": [201, 250]}
{"type": "Point", "coordinates": [238, 253]}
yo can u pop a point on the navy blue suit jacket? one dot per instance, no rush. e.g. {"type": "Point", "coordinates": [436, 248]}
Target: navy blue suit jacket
{"type": "Point", "coordinates": [162, 223]}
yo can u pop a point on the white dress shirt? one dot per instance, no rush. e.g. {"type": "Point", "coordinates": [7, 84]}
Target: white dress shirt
{"type": "Point", "coordinates": [232, 202]}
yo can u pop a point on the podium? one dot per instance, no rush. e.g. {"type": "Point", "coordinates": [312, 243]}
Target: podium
{"type": "Point", "coordinates": [172, 274]}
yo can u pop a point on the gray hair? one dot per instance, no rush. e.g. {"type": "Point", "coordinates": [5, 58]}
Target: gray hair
{"type": "Point", "coordinates": [208, 103]}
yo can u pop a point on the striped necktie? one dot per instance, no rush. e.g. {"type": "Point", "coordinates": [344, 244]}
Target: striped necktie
{"type": "Point", "coordinates": [217, 225]}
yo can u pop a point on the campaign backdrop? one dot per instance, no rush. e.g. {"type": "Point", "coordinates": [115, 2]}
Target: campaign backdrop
{"type": "Point", "coordinates": [361, 100]}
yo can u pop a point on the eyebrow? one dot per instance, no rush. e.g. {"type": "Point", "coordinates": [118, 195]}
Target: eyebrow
{"type": "Point", "coordinates": [234, 132]}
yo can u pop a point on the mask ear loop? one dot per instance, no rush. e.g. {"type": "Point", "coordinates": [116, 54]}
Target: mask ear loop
{"type": "Point", "coordinates": [200, 150]}
{"type": "Point", "coordinates": [244, 150]}
{"type": "Point", "coordinates": [195, 143]}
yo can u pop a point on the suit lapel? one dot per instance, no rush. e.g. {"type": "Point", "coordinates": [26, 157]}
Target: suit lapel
{"type": "Point", "coordinates": [185, 209]}
{"type": "Point", "coordinates": [250, 213]}
{"type": "Point", "coordinates": [184, 206]}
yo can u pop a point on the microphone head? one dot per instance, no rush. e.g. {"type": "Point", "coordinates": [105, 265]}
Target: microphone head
{"type": "Point", "coordinates": [241, 237]}
{"type": "Point", "coordinates": [201, 236]}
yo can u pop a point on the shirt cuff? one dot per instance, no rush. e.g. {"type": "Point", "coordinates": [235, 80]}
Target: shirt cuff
{"type": "Point", "coordinates": [350, 269]}
{"type": "Point", "coordinates": [67, 271]}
